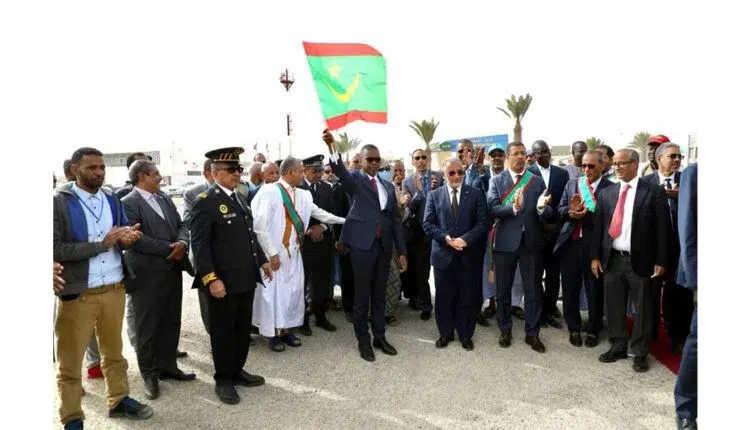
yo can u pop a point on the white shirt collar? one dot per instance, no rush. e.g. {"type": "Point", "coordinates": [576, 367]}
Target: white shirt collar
{"type": "Point", "coordinates": [545, 169]}
{"type": "Point", "coordinates": [145, 194]}
{"type": "Point", "coordinates": [633, 182]}
{"type": "Point", "coordinates": [450, 189]}
{"type": "Point", "coordinates": [596, 183]}
{"type": "Point", "coordinates": [99, 195]}
{"type": "Point", "coordinates": [513, 174]}
{"type": "Point", "coordinates": [225, 189]}
{"type": "Point", "coordinates": [662, 178]}
{"type": "Point", "coordinates": [286, 185]}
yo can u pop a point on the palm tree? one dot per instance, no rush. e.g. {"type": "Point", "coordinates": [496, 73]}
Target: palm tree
{"type": "Point", "coordinates": [593, 142]}
{"type": "Point", "coordinates": [345, 145]}
{"type": "Point", "coordinates": [426, 131]}
{"type": "Point", "coordinates": [640, 142]}
{"type": "Point", "coordinates": [517, 108]}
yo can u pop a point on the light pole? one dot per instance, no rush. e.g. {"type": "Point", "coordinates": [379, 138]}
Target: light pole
{"type": "Point", "coordinates": [287, 80]}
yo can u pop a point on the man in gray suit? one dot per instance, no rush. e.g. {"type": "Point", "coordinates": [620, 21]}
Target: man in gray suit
{"type": "Point", "coordinates": [188, 200]}
{"type": "Point", "coordinates": [157, 260]}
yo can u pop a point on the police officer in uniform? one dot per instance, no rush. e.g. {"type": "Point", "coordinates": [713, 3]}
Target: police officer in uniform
{"type": "Point", "coordinates": [228, 260]}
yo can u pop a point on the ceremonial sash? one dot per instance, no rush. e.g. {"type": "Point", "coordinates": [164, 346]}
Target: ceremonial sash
{"type": "Point", "coordinates": [292, 219]}
{"type": "Point", "coordinates": [612, 177]}
{"type": "Point", "coordinates": [587, 193]}
{"type": "Point", "coordinates": [521, 186]}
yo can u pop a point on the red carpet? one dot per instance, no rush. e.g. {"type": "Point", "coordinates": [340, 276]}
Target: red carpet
{"type": "Point", "coordinates": [661, 348]}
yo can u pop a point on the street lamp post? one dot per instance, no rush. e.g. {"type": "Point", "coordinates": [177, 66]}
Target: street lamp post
{"type": "Point", "coordinates": [287, 80]}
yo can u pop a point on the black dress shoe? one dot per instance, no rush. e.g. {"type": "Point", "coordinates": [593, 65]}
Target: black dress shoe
{"type": "Point", "coordinates": [132, 409]}
{"type": "Point", "coordinates": [177, 375]}
{"type": "Point", "coordinates": [348, 316]}
{"type": "Point", "coordinates": [227, 394]}
{"type": "Point", "coordinates": [384, 346]}
{"type": "Point", "coordinates": [467, 344]}
{"type": "Point", "coordinates": [366, 352]}
{"type": "Point", "coordinates": [575, 339]}
{"type": "Point", "coordinates": [611, 356]}
{"type": "Point", "coordinates": [413, 305]}
{"type": "Point", "coordinates": [481, 320]}
{"type": "Point", "coordinates": [552, 322]}
{"type": "Point", "coordinates": [640, 364]}
{"type": "Point", "coordinates": [517, 312]}
{"type": "Point", "coordinates": [181, 354]}
{"type": "Point", "coordinates": [325, 325]}
{"type": "Point", "coordinates": [535, 343]}
{"type": "Point", "coordinates": [252, 342]}
{"type": "Point", "coordinates": [556, 313]}
{"type": "Point", "coordinates": [676, 349]}
{"type": "Point", "coordinates": [489, 312]}
{"type": "Point", "coordinates": [248, 380]}
{"type": "Point", "coordinates": [425, 315]}
{"type": "Point", "coordinates": [305, 330]}
{"type": "Point", "coordinates": [687, 423]}
{"type": "Point", "coordinates": [151, 387]}
{"type": "Point", "coordinates": [592, 340]}
{"type": "Point", "coordinates": [443, 341]}
{"type": "Point", "coordinates": [505, 339]}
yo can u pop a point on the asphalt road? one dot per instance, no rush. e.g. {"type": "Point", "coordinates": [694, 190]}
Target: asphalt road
{"type": "Point", "coordinates": [325, 384]}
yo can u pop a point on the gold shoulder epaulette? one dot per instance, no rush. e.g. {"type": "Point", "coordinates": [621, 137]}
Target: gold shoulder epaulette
{"type": "Point", "coordinates": [202, 195]}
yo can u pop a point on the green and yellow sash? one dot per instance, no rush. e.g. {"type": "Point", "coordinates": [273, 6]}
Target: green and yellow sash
{"type": "Point", "coordinates": [587, 193]}
{"type": "Point", "coordinates": [292, 219]}
{"type": "Point", "coordinates": [521, 186]}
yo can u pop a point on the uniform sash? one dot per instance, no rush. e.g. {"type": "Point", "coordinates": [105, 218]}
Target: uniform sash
{"type": "Point", "coordinates": [587, 193]}
{"type": "Point", "coordinates": [292, 219]}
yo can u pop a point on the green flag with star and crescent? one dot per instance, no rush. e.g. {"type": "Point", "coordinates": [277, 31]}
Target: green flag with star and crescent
{"type": "Point", "coordinates": [350, 79]}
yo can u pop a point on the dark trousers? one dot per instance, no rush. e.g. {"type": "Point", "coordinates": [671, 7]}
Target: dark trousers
{"type": "Point", "coordinates": [575, 268]}
{"type": "Point", "coordinates": [455, 300]}
{"type": "Point", "coordinates": [677, 306]}
{"type": "Point", "coordinates": [158, 312]}
{"type": "Point", "coordinates": [347, 282]}
{"type": "Point", "coordinates": [229, 319]}
{"type": "Point", "coordinates": [371, 274]}
{"type": "Point", "coordinates": [316, 258]}
{"type": "Point", "coordinates": [686, 389]}
{"type": "Point", "coordinates": [619, 281]}
{"type": "Point", "coordinates": [203, 304]}
{"type": "Point", "coordinates": [551, 262]}
{"type": "Point", "coordinates": [530, 265]}
{"type": "Point", "coordinates": [419, 266]}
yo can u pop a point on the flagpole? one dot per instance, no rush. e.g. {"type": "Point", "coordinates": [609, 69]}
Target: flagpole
{"type": "Point", "coordinates": [287, 81]}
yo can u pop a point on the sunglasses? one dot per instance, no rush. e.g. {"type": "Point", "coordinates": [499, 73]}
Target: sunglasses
{"type": "Point", "coordinates": [372, 159]}
{"type": "Point", "coordinates": [233, 169]}
{"type": "Point", "coordinates": [420, 157]}
{"type": "Point", "coordinates": [588, 166]}
{"type": "Point", "coordinates": [455, 172]}
{"type": "Point", "coordinates": [676, 156]}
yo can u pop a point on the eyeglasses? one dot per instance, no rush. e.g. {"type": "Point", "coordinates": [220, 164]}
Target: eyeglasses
{"type": "Point", "coordinates": [452, 173]}
{"type": "Point", "coordinates": [233, 169]}
{"type": "Point", "coordinates": [420, 157]}
{"type": "Point", "coordinates": [622, 163]}
{"type": "Point", "coordinates": [372, 159]}
{"type": "Point", "coordinates": [676, 156]}
{"type": "Point", "coordinates": [588, 166]}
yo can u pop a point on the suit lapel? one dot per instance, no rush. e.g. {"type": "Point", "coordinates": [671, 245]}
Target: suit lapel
{"type": "Point", "coordinates": [166, 210]}
{"type": "Point", "coordinates": [640, 196]}
{"type": "Point", "coordinates": [463, 202]}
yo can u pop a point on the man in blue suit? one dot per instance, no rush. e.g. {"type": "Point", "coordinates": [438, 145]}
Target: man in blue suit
{"type": "Point", "coordinates": [686, 389]}
{"type": "Point", "coordinates": [372, 228]}
{"type": "Point", "coordinates": [520, 204]}
{"type": "Point", "coordinates": [457, 220]}
{"type": "Point", "coordinates": [555, 178]}
{"type": "Point", "coordinates": [476, 175]}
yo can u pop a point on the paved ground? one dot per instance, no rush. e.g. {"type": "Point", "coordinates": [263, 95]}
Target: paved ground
{"type": "Point", "coordinates": [324, 384]}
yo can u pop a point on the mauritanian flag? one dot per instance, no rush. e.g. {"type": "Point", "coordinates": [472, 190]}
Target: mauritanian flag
{"type": "Point", "coordinates": [350, 80]}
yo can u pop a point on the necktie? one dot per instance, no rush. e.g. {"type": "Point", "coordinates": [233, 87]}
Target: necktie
{"type": "Point", "coordinates": [454, 203]}
{"type": "Point", "coordinates": [669, 201]}
{"type": "Point", "coordinates": [375, 185]}
{"type": "Point", "coordinates": [424, 184]}
{"type": "Point", "coordinates": [669, 183]}
{"type": "Point", "coordinates": [518, 178]}
{"type": "Point", "coordinates": [237, 201]}
{"type": "Point", "coordinates": [615, 227]}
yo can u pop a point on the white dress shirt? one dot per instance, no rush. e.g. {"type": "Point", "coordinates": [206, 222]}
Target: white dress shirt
{"type": "Point", "coordinates": [545, 174]}
{"type": "Point", "coordinates": [382, 193]}
{"type": "Point", "coordinates": [622, 243]}
{"type": "Point", "coordinates": [663, 179]}
{"type": "Point", "coordinates": [151, 200]}
{"type": "Point", "coordinates": [458, 194]}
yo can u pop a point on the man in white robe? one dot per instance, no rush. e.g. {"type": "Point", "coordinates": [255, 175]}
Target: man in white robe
{"type": "Point", "coordinates": [281, 214]}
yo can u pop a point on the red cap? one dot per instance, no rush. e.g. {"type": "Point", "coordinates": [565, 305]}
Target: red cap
{"type": "Point", "coordinates": [658, 140]}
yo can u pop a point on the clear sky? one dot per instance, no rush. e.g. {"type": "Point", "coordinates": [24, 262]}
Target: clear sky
{"type": "Point", "coordinates": [139, 75]}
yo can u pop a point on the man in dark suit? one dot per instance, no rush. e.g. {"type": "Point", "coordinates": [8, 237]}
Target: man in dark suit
{"type": "Point", "coordinates": [476, 175]}
{"type": "Point", "coordinates": [157, 260]}
{"type": "Point", "coordinates": [372, 228]}
{"type": "Point", "coordinates": [188, 199]}
{"type": "Point", "coordinates": [416, 281]}
{"type": "Point", "coordinates": [128, 187]}
{"type": "Point", "coordinates": [457, 220]}
{"type": "Point", "coordinates": [686, 389]}
{"type": "Point", "coordinates": [576, 210]}
{"type": "Point", "coordinates": [676, 302]}
{"type": "Point", "coordinates": [518, 201]}
{"type": "Point", "coordinates": [629, 246]}
{"type": "Point", "coordinates": [317, 250]}
{"type": "Point", "coordinates": [228, 260]}
{"type": "Point", "coordinates": [555, 178]}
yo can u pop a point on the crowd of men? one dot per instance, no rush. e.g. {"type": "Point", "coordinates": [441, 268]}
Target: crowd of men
{"type": "Point", "coordinates": [266, 253]}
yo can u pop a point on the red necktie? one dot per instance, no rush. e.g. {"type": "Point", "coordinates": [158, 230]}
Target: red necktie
{"type": "Point", "coordinates": [577, 231]}
{"type": "Point", "coordinates": [615, 227]}
{"type": "Point", "coordinates": [375, 185]}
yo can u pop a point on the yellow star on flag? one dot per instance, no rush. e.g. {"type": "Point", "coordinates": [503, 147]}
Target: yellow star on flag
{"type": "Point", "coordinates": [334, 71]}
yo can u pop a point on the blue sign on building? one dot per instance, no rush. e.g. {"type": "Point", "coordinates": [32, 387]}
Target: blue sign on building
{"type": "Point", "coordinates": [479, 142]}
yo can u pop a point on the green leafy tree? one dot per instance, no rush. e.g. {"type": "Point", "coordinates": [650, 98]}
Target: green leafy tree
{"type": "Point", "coordinates": [593, 142]}
{"type": "Point", "coordinates": [516, 109]}
{"type": "Point", "coordinates": [426, 131]}
{"type": "Point", "coordinates": [640, 142]}
{"type": "Point", "coordinates": [345, 145]}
